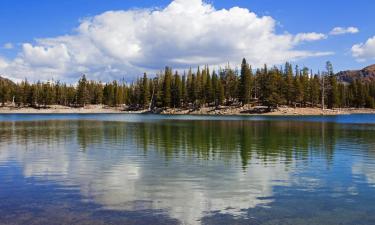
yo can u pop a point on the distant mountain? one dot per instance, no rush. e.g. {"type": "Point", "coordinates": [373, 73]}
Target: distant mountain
{"type": "Point", "coordinates": [6, 80]}
{"type": "Point", "coordinates": [366, 74]}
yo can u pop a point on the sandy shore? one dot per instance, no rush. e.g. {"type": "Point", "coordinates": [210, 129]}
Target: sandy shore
{"type": "Point", "coordinates": [287, 111]}
{"type": "Point", "coordinates": [246, 110]}
{"type": "Point", "coordinates": [57, 109]}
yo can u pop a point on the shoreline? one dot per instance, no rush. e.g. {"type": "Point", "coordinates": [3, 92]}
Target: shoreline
{"type": "Point", "coordinates": [223, 111]}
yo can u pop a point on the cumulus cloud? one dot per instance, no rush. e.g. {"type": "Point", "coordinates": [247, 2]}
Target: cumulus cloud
{"type": "Point", "coordinates": [8, 46]}
{"type": "Point", "coordinates": [364, 51]}
{"type": "Point", "coordinates": [186, 33]}
{"type": "Point", "coordinates": [3, 63]}
{"type": "Point", "coordinates": [344, 30]}
{"type": "Point", "coordinates": [54, 56]}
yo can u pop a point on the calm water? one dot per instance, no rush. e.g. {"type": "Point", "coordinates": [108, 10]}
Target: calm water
{"type": "Point", "coordinates": [147, 169]}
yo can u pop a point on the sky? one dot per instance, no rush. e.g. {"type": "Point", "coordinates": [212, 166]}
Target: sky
{"type": "Point", "coordinates": [115, 39]}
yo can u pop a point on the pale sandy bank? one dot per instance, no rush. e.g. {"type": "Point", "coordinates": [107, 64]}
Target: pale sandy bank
{"type": "Point", "coordinates": [287, 111]}
{"type": "Point", "coordinates": [57, 109]}
{"type": "Point", "coordinates": [228, 110]}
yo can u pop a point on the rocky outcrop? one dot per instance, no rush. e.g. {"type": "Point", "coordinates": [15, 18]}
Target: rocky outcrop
{"type": "Point", "coordinates": [366, 75]}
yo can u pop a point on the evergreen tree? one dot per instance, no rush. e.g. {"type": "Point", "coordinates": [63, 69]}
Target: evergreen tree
{"type": "Point", "coordinates": [190, 86]}
{"type": "Point", "coordinates": [315, 90]}
{"type": "Point", "coordinates": [271, 96]}
{"type": "Point", "coordinates": [176, 90]}
{"type": "Point", "coordinates": [332, 95]}
{"type": "Point", "coordinates": [145, 91]}
{"type": "Point", "coordinates": [270, 87]}
{"type": "Point", "coordinates": [221, 93]}
{"type": "Point", "coordinates": [82, 92]}
{"type": "Point", "coordinates": [231, 84]}
{"type": "Point", "coordinates": [289, 84]}
{"type": "Point", "coordinates": [198, 88]}
{"type": "Point", "coordinates": [245, 83]}
{"type": "Point", "coordinates": [167, 87]}
{"type": "Point", "coordinates": [305, 86]}
{"type": "Point", "coordinates": [209, 95]}
{"type": "Point", "coordinates": [184, 90]}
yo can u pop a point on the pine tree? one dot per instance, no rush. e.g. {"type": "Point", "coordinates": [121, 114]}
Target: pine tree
{"type": "Point", "coordinates": [24, 91]}
{"type": "Point", "coordinates": [305, 85]}
{"type": "Point", "coordinates": [98, 93]}
{"type": "Point", "coordinates": [231, 83]}
{"type": "Point", "coordinates": [145, 91]}
{"type": "Point", "coordinates": [215, 88]}
{"type": "Point", "coordinates": [271, 96]}
{"type": "Point", "coordinates": [298, 90]}
{"type": "Point", "coordinates": [315, 90]}
{"type": "Point", "coordinates": [221, 92]}
{"type": "Point", "coordinates": [208, 89]}
{"type": "Point", "coordinates": [271, 87]}
{"type": "Point", "coordinates": [82, 92]}
{"type": "Point", "coordinates": [167, 87]}
{"type": "Point", "coordinates": [289, 84]}
{"type": "Point", "coordinates": [176, 90]}
{"type": "Point", "coordinates": [36, 94]}
{"type": "Point", "coordinates": [198, 88]}
{"type": "Point", "coordinates": [332, 95]}
{"type": "Point", "coordinates": [190, 86]}
{"type": "Point", "coordinates": [245, 83]}
{"type": "Point", "coordinates": [47, 94]}
{"type": "Point", "coordinates": [342, 95]}
{"type": "Point", "coordinates": [184, 89]}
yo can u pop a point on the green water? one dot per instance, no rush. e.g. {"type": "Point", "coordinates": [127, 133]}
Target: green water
{"type": "Point", "coordinates": [127, 169]}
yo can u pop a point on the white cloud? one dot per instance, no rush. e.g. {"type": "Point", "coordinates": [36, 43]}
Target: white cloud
{"type": "Point", "coordinates": [309, 37]}
{"type": "Point", "coordinates": [364, 51]}
{"type": "Point", "coordinates": [3, 63]}
{"type": "Point", "coordinates": [8, 46]}
{"type": "Point", "coordinates": [186, 33]}
{"type": "Point", "coordinates": [54, 56]}
{"type": "Point", "coordinates": [344, 30]}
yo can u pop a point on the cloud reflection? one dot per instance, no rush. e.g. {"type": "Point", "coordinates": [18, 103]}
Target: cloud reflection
{"type": "Point", "coordinates": [187, 169]}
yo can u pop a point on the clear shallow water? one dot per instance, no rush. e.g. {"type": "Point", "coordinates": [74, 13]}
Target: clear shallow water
{"type": "Point", "coordinates": [149, 169]}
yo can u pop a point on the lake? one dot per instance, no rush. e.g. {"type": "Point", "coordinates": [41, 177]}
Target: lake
{"type": "Point", "coordinates": [154, 169]}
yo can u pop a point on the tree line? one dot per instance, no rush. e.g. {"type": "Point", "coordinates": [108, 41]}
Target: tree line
{"type": "Point", "coordinates": [270, 87]}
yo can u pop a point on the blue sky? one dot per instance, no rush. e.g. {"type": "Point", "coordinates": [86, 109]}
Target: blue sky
{"type": "Point", "coordinates": [24, 21]}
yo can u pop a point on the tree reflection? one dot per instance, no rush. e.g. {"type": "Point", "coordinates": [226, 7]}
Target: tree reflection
{"type": "Point", "coordinates": [207, 140]}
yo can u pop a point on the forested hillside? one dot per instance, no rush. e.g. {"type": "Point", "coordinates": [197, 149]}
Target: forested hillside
{"type": "Point", "coordinates": [288, 85]}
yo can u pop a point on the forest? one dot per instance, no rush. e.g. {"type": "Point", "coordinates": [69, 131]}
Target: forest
{"type": "Point", "coordinates": [272, 87]}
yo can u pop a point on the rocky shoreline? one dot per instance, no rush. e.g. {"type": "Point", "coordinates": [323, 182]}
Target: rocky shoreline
{"type": "Point", "coordinates": [224, 110]}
